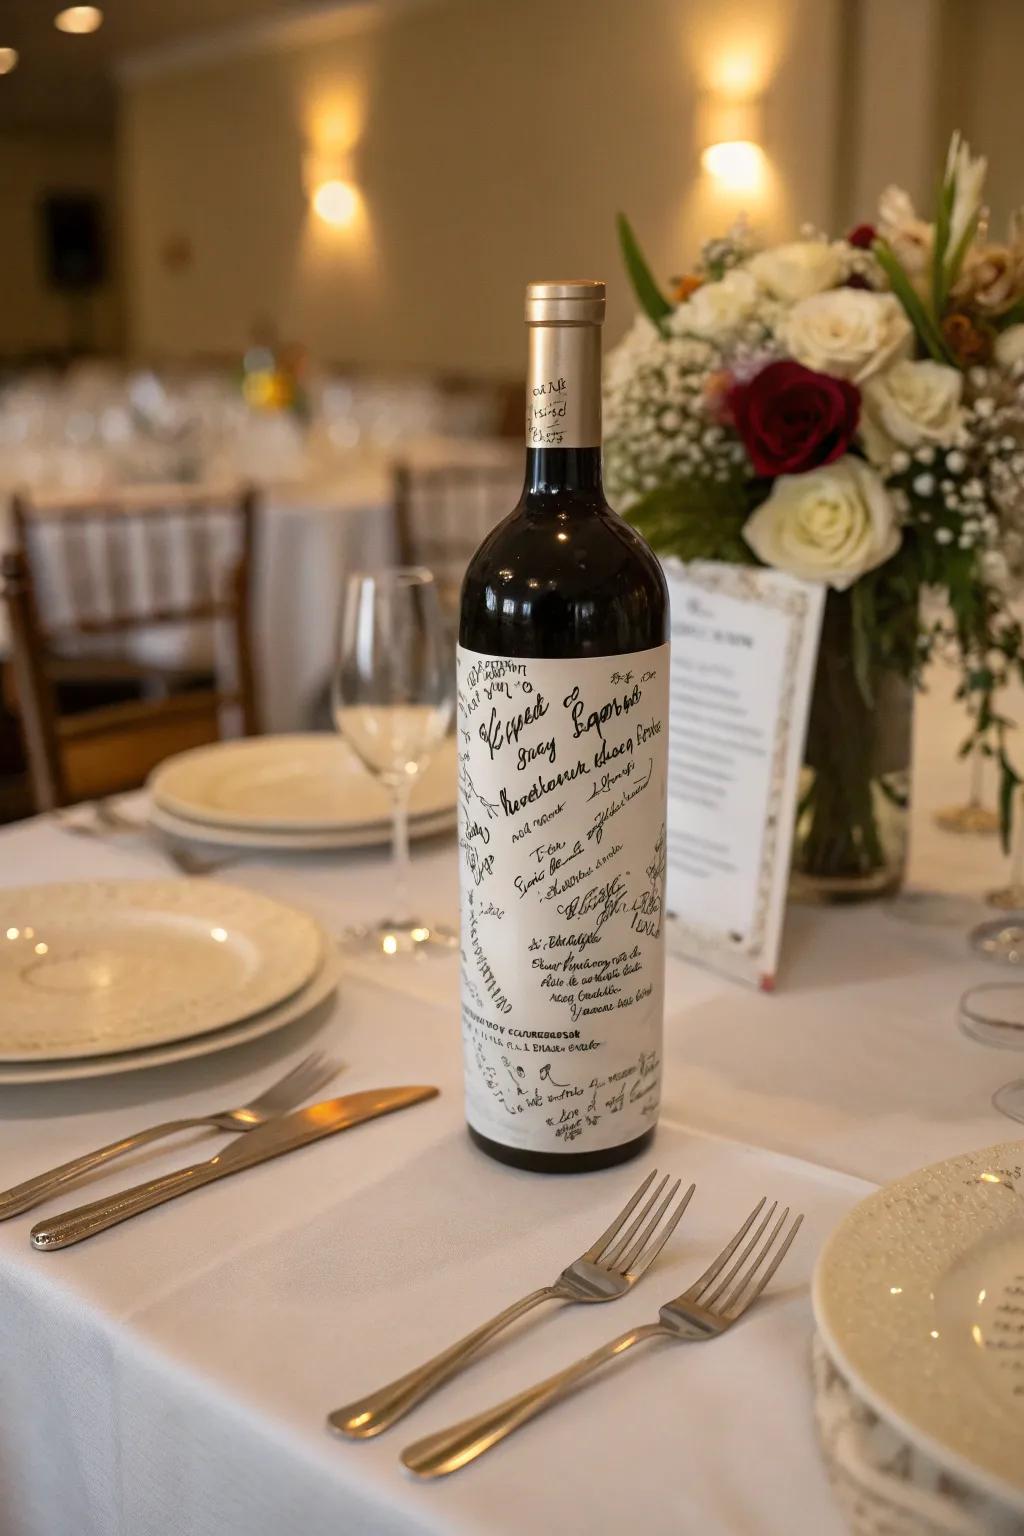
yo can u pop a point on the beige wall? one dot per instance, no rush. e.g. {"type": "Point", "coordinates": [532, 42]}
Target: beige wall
{"type": "Point", "coordinates": [984, 95]}
{"type": "Point", "coordinates": [493, 141]}
{"type": "Point", "coordinates": [33, 316]}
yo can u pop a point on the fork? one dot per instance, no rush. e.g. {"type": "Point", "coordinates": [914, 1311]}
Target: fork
{"type": "Point", "coordinates": [604, 1273]}
{"type": "Point", "coordinates": [300, 1083]}
{"type": "Point", "coordinates": [699, 1313]}
{"type": "Point", "coordinates": [111, 821]}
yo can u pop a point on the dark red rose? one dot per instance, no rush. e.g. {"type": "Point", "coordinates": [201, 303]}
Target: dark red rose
{"type": "Point", "coordinates": [863, 237]}
{"type": "Point", "coordinates": [792, 419]}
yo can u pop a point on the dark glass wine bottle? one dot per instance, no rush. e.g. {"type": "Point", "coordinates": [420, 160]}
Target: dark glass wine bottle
{"type": "Point", "coordinates": [563, 726]}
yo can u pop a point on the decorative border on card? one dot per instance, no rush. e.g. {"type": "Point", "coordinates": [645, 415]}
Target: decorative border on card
{"type": "Point", "coordinates": [801, 604]}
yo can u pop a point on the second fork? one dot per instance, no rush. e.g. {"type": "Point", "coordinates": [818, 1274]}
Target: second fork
{"type": "Point", "coordinates": [606, 1271]}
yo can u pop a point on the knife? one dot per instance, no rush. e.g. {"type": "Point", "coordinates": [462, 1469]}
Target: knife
{"type": "Point", "coordinates": [278, 1136]}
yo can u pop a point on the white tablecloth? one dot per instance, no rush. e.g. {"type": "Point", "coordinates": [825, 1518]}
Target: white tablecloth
{"type": "Point", "coordinates": [311, 533]}
{"type": "Point", "coordinates": [172, 1375]}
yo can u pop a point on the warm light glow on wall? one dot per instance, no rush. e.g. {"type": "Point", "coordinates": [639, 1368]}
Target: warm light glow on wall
{"type": "Point", "coordinates": [336, 202]}
{"type": "Point", "coordinates": [79, 19]}
{"type": "Point", "coordinates": [738, 165]}
{"type": "Point", "coordinates": [729, 133]}
{"type": "Point", "coordinates": [736, 75]}
{"type": "Point", "coordinates": [8, 60]}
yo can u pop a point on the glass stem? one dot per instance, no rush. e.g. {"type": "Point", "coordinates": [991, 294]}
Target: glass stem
{"type": "Point", "coordinates": [1017, 860]}
{"type": "Point", "coordinates": [400, 850]}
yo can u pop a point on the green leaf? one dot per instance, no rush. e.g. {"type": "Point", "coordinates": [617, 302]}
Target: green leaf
{"type": "Point", "coordinates": [649, 296]}
{"type": "Point", "coordinates": [862, 613]}
{"type": "Point", "coordinates": [916, 312]}
{"type": "Point", "coordinates": [947, 192]}
{"type": "Point", "coordinates": [697, 519]}
{"type": "Point", "coordinates": [1012, 316]}
{"type": "Point", "coordinates": [956, 261]}
{"type": "Point", "coordinates": [1009, 783]}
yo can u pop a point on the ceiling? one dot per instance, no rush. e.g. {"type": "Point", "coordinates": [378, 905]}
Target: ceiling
{"type": "Point", "coordinates": [64, 82]}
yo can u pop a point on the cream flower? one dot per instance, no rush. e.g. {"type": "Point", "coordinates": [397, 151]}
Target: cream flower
{"type": "Point", "coordinates": [831, 524]}
{"type": "Point", "coordinates": [991, 279]}
{"type": "Point", "coordinates": [911, 238]}
{"type": "Point", "coordinates": [716, 309]}
{"type": "Point", "coordinates": [849, 332]}
{"type": "Point", "coordinates": [909, 405]}
{"type": "Point", "coordinates": [795, 271]}
{"type": "Point", "coordinates": [1010, 346]}
{"type": "Point", "coordinates": [967, 174]}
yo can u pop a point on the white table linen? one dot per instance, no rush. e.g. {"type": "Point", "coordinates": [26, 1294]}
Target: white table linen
{"type": "Point", "coordinates": [312, 530]}
{"type": "Point", "coordinates": [172, 1375]}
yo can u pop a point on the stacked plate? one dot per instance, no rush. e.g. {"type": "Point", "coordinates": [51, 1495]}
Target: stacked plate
{"type": "Point", "coordinates": [111, 976]}
{"type": "Point", "coordinates": [292, 793]}
{"type": "Point", "coordinates": [919, 1302]}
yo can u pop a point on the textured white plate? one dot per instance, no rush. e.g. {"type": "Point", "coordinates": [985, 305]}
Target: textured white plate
{"type": "Point", "coordinates": [317, 990]}
{"type": "Point", "coordinates": [296, 842]}
{"type": "Point", "coordinates": [919, 1297]}
{"type": "Point", "coordinates": [311, 783]}
{"type": "Point", "coordinates": [114, 965]}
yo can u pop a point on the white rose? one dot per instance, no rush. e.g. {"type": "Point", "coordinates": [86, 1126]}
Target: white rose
{"type": "Point", "coordinates": [831, 524]}
{"type": "Point", "coordinates": [849, 332]}
{"type": "Point", "coordinates": [715, 309]}
{"type": "Point", "coordinates": [910, 404]}
{"type": "Point", "coordinates": [795, 271]}
{"type": "Point", "coordinates": [1010, 346]}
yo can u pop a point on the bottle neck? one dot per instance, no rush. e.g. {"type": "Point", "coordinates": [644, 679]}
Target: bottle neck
{"type": "Point", "coordinates": [553, 471]}
{"type": "Point", "coordinates": [563, 409]}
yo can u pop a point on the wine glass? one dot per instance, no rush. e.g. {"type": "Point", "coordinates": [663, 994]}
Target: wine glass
{"type": "Point", "coordinates": [993, 1013]}
{"type": "Point", "coordinates": [394, 692]}
{"type": "Point", "coordinates": [1002, 938]}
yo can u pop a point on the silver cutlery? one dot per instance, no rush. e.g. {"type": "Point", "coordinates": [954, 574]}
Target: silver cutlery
{"type": "Point", "coordinates": [699, 1313]}
{"type": "Point", "coordinates": [284, 1134]}
{"type": "Point", "coordinates": [604, 1273]}
{"type": "Point", "coordinates": [305, 1079]}
{"type": "Point", "coordinates": [109, 822]}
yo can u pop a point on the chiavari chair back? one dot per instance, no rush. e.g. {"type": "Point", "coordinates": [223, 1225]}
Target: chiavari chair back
{"type": "Point", "coordinates": [444, 511]}
{"type": "Point", "coordinates": [146, 591]}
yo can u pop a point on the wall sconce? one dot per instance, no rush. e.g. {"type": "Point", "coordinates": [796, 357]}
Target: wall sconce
{"type": "Point", "coordinates": [336, 202]}
{"type": "Point", "coordinates": [331, 188]}
{"type": "Point", "coordinates": [729, 134]}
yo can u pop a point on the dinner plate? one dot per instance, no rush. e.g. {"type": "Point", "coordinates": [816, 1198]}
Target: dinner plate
{"type": "Point", "coordinates": [310, 783]}
{"type": "Point", "coordinates": [919, 1298]}
{"type": "Point", "coordinates": [296, 842]}
{"type": "Point", "coordinates": [112, 965]}
{"type": "Point", "coordinates": [321, 984]}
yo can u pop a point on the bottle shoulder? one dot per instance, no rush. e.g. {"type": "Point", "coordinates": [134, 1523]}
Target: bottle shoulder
{"type": "Point", "coordinates": [565, 581]}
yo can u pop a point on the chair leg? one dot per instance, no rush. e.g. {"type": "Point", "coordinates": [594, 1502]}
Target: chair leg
{"type": "Point", "coordinates": [36, 708]}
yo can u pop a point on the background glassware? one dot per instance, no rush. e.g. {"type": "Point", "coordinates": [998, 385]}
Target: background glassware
{"type": "Point", "coordinates": [974, 816]}
{"type": "Point", "coordinates": [1002, 938]}
{"type": "Point", "coordinates": [993, 1014]}
{"type": "Point", "coordinates": [394, 692]}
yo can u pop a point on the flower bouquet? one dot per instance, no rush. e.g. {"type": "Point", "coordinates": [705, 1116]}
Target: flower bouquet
{"type": "Point", "coordinates": [850, 411]}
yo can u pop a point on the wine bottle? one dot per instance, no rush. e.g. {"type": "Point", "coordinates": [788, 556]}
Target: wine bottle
{"type": "Point", "coordinates": [562, 744]}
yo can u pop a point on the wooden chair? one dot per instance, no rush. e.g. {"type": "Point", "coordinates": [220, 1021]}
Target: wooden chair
{"type": "Point", "coordinates": [443, 512]}
{"type": "Point", "coordinates": [91, 584]}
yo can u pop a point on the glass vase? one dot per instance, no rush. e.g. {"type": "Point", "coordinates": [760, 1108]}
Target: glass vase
{"type": "Point", "coordinates": [853, 810]}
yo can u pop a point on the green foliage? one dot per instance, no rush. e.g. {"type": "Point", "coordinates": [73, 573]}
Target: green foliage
{"type": "Point", "coordinates": [699, 519]}
{"type": "Point", "coordinates": [923, 322]}
{"type": "Point", "coordinates": [649, 296]}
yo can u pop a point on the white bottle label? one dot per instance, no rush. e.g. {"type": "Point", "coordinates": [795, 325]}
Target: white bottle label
{"type": "Point", "coordinates": [562, 786]}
